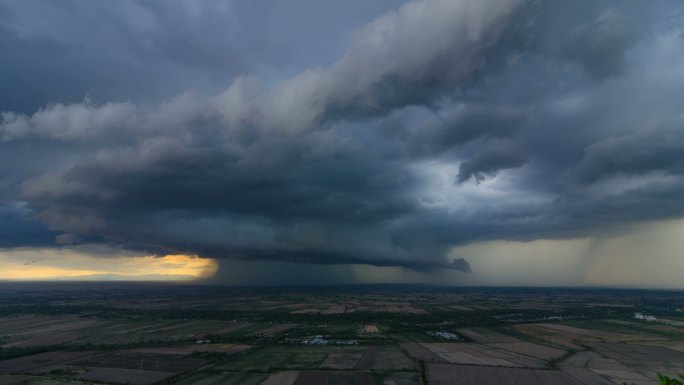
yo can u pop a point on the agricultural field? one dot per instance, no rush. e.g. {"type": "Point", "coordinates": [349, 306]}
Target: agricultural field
{"type": "Point", "coordinates": [225, 379]}
{"type": "Point", "coordinates": [334, 378]}
{"type": "Point", "coordinates": [36, 380]}
{"type": "Point", "coordinates": [288, 357]}
{"type": "Point", "coordinates": [447, 374]}
{"type": "Point", "coordinates": [476, 354]}
{"type": "Point", "coordinates": [485, 336]}
{"type": "Point", "coordinates": [397, 378]}
{"type": "Point", "coordinates": [216, 335]}
{"type": "Point", "coordinates": [48, 331]}
{"type": "Point", "coordinates": [281, 378]}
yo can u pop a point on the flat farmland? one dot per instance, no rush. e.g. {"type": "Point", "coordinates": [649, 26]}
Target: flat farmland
{"type": "Point", "coordinates": [189, 349]}
{"type": "Point", "coordinates": [446, 374]}
{"type": "Point", "coordinates": [389, 358]}
{"type": "Point", "coordinates": [137, 331]}
{"type": "Point", "coordinates": [413, 337]}
{"type": "Point", "coordinates": [107, 375]}
{"type": "Point", "coordinates": [35, 380]}
{"type": "Point", "coordinates": [476, 354]}
{"type": "Point", "coordinates": [594, 369]}
{"type": "Point", "coordinates": [420, 352]}
{"type": "Point", "coordinates": [72, 330]}
{"type": "Point", "coordinates": [224, 379]}
{"type": "Point", "coordinates": [570, 339]}
{"type": "Point", "coordinates": [284, 357]}
{"type": "Point", "coordinates": [345, 358]}
{"type": "Point", "coordinates": [397, 378]}
{"type": "Point", "coordinates": [541, 352]}
{"type": "Point", "coordinates": [642, 359]}
{"type": "Point", "coordinates": [35, 361]}
{"type": "Point", "coordinates": [274, 329]}
{"type": "Point", "coordinates": [280, 357]}
{"type": "Point", "coordinates": [485, 336]}
{"type": "Point", "coordinates": [131, 359]}
{"type": "Point", "coordinates": [35, 331]}
{"type": "Point", "coordinates": [674, 345]}
{"type": "Point", "coordinates": [634, 331]}
{"type": "Point", "coordinates": [334, 378]}
{"type": "Point", "coordinates": [281, 378]}
{"type": "Point", "coordinates": [312, 378]}
{"type": "Point", "coordinates": [350, 378]}
{"type": "Point", "coordinates": [639, 355]}
{"type": "Point", "coordinates": [122, 376]}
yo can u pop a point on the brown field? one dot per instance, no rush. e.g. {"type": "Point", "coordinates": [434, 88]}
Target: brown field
{"type": "Point", "coordinates": [592, 368]}
{"type": "Point", "coordinates": [336, 309]}
{"type": "Point", "coordinates": [477, 354]}
{"type": "Point", "coordinates": [485, 336]}
{"type": "Point", "coordinates": [544, 353]}
{"type": "Point", "coordinates": [273, 329]}
{"type": "Point", "coordinates": [674, 345]}
{"type": "Point", "coordinates": [35, 361]}
{"type": "Point", "coordinates": [37, 331]}
{"type": "Point", "coordinates": [556, 337]}
{"type": "Point", "coordinates": [189, 349]}
{"type": "Point", "coordinates": [642, 359]}
{"type": "Point", "coordinates": [640, 355]}
{"type": "Point", "coordinates": [334, 378]}
{"type": "Point", "coordinates": [307, 311]}
{"type": "Point", "coordinates": [368, 360]}
{"type": "Point", "coordinates": [312, 378]}
{"type": "Point", "coordinates": [281, 378]}
{"type": "Point", "coordinates": [228, 329]}
{"type": "Point", "coordinates": [350, 378]}
{"type": "Point", "coordinates": [398, 378]}
{"type": "Point", "coordinates": [130, 359]}
{"type": "Point", "coordinates": [389, 358]}
{"type": "Point", "coordinates": [467, 354]}
{"type": "Point", "coordinates": [123, 376]}
{"type": "Point", "coordinates": [418, 351]}
{"type": "Point", "coordinates": [344, 359]}
{"type": "Point", "coordinates": [565, 329]}
{"type": "Point", "coordinates": [445, 374]}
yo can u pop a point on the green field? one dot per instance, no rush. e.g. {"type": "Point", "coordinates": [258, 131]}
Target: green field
{"type": "Point", "coordinates": [34, 380]}
{"type": "Point", "coordinates": [280, 357]}
{"type": "Point", "coordinates": [397, 378]}
{"type": "Point", "coordinates": [222, 379]}
{"type": "Point", "coordinates": [413, 337]}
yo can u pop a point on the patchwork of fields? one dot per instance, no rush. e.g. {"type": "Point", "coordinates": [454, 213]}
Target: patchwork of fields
{"type": "Point", "coordinates": [70, 330]}
{"type": "Point", "coordinates": [306, 339]}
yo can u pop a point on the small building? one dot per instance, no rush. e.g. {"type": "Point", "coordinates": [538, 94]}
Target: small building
{"type": "Point", "coordinates": [644, 317]}
{"type": "Point", "coordinates": [445, 335]}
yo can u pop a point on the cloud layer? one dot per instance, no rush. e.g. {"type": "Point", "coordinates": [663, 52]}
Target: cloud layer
{"type": "Point", "coordinates": [434, 124]}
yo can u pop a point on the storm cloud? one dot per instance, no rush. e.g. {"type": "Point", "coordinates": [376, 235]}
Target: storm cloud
{"type": "Point", "coordinates": [432, 124]}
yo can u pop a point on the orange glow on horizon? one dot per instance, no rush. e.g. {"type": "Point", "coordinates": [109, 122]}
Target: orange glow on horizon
{"type": "Point", "coordinates": [30, 264]}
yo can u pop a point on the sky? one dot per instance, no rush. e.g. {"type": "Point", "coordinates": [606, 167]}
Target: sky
{"type": "Point", "coordinates": [450, 142]}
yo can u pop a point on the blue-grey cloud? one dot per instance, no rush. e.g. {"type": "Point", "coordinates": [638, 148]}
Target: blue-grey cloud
{"type": "Point", "coordinates": [434, 123]}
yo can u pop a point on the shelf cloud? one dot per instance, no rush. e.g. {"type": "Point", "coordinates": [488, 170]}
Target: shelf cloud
{"type": "Point", "coordinates": [383, 134]}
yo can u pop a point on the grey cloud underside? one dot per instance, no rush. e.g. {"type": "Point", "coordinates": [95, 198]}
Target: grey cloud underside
{"type": "Point", "coordinates": [441, 123]}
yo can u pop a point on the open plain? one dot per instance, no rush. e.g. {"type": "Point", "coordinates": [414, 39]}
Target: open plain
{"type": "Point", "coordinates": [381, 335]}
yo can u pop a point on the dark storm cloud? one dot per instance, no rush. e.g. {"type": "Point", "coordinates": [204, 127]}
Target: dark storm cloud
{"type": "Point", "coordinates": [435, 124]}
{"type": "Point", "coordinates": [19, 229]}
{"type": "Point", "coordinates": [660, 150]}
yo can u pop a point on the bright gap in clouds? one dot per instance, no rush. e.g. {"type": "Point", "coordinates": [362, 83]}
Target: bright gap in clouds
{"type": "Point", "coordinates": [25, 264]}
